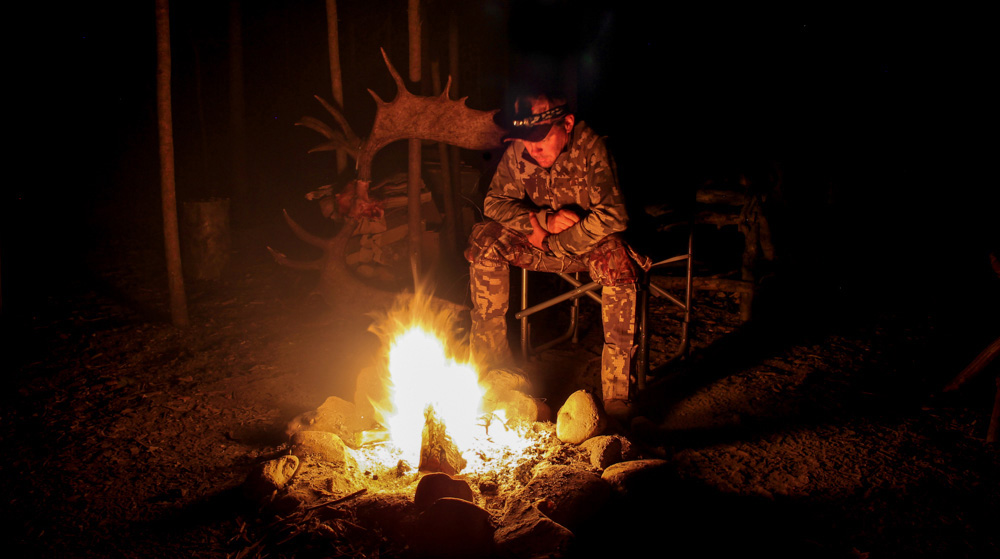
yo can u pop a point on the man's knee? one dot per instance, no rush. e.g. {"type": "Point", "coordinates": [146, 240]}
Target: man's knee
{"type": "Point", "coordinates": [493, 245]}
{"type": "Point", "coordinates": [611, 263]}
{"type": "Point", "coordinates": [483, 242]}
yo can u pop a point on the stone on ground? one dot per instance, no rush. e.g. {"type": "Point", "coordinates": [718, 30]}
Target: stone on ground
{"type": "Point", "coordinates": [335, 415]}
{"type": "Point", "coordinates": [322, 447]}
{"type": "Point", "coordinates": [435, 486]}
{"type": "Point", "coordinates": [454, 528]}
{"type": "Point", "coordinates": [505, 380]}
{"type": "Point", "coordinates": [579, 418]}
{"type": "Point", "coordinates": [270, 476]}
{"type": "Point", "coordinates": [527, 532]}
{"type": "Point", "coordinates": [638, 476]}
{"type": "Point", "coordinates": [571, 496]}
{"type": "Point", "coordinates": [606, 450]}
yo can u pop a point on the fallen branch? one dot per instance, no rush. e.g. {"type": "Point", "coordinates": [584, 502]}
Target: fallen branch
{"type": "Point", "coordinates": [333, 502]}
{"type": "Point", "coordinates": [984, 358]}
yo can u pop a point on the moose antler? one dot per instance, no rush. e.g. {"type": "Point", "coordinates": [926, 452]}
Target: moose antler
{"type": "Point", "coordinates": [346, 140]}
{"type": "Point", "coordinates": [428, 118]}
{"type": "Point", "coordinates": [439, 119]}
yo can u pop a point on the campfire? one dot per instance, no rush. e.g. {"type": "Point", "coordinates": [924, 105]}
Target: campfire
{"type": "Point", "coordinates": [437, 413]}
{"type": "Point", "coordinates": [438, 457]}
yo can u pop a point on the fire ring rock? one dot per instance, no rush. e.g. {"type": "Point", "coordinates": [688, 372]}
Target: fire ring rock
{"type": "Point", "coordinates": [571, 496]}
{"type": "Point", "coordinates": [270, 476]}
{"type": "Point", "coordinates": [527, 532]}
{"type": "Point", "coordinates": [321, 446]}
{"type": "Point", "coordinates": [505, 380]}
{"type": "Point", "coordinates": [579, 418]}
{"type": "Point", "coordinates": [638, 476]}
{"type": "Point", "coordinates": [454, 528]}
{"type": "Point", "coordinates": [435, 486]}
{"type": "Point", "coordinates": [606, 450]}
{"type": "Point", "coordinates": [336, 416]}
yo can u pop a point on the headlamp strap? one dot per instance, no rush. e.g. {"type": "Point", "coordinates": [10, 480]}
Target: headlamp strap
{"type": "Point", "coordinates": [532, 120]}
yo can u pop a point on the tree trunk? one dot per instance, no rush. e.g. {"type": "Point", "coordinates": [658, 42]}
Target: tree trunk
{"type": "Point", "coordinates": [413, 182]}
{"type": "Point", "coordinates": [336, 81]}
{"type": "Point", "coordinates": [449, 233]}
{"type": "Point", "coordinates": [175, 279]}
{"type": "Point", "coordinates": [454, 158]}
{"type": "Point", "coordinates": [239, 190]}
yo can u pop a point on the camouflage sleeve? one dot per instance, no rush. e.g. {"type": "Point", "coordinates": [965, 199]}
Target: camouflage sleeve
{"type": "Point", "coordinates": [607, 207]}
{"type": "Point", "coordinates": [506, 201]}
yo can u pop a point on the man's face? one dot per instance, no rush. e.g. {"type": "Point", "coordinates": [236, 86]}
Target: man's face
{"type": "Point", "coordinates": [546, 150]}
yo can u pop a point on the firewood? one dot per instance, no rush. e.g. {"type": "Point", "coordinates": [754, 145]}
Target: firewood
{"type": "Point", "coordinates": [438, 452]}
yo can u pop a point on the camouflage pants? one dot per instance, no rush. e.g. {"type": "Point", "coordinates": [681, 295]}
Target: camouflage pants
{"type": "Point", "coordinates": [492, 248]}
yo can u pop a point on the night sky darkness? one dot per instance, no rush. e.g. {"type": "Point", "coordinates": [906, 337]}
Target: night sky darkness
{"type": "Point", "coordinates": [873, 112]}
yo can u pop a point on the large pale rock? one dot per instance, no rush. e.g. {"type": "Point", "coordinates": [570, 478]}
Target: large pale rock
{"type": "Point", "coordinates": [270, 476]}
{"type": "Point", "coordinates": [335, 415]}
{"type": "Point", "coordinates": [605, 450]}
{"type": "Point", "coordinates": [321, 446]}
{"type": "Point", "coordinates": [579, 418]}
{"type": "Point", "coordinates": [571, 496]}
{"type": "Point", "coordinates": [454, 528]}
{"type": "Point", "coordinates": [435, 486]}
{"type": "Point", "coordinates": [527, 532]}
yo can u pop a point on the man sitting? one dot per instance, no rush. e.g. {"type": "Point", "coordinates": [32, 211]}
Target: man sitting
{"type": "Point", "coordinates": [554, 205]}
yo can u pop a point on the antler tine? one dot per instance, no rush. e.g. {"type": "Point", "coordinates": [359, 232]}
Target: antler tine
{"type": "Point", "coordinates": [339, 117]}
{"type": "Point", "coordinates": [339, 142]}
{"type": "Point", "coordinates": [280, 258]}
{"type": "Point", "coordinates": [317, 125]}
{"type": "Point", "coordinates": [446, 93]}
{"type": "Point", "coordinates": [300, 232]}
{"type": "Point", "coordinates": [392, 71]}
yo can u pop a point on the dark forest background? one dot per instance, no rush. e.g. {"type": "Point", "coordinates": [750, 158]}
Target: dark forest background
{"type": "Point", "coordinates": [876, 114]}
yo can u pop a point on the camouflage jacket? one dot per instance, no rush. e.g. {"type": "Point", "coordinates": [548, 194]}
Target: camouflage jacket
{"type": "Point", "coordinates": [582, 178]}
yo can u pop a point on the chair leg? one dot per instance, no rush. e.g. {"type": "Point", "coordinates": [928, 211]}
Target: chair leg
{"type": "Point", "coordinates": [525, 327]}
{"type": "Point", "coordinates": [641, 309]}
{"type": "Point", "coordinates": [647, 288]}
{"type": "Point", "coordinates": [994, 427]}
{"type": "Point", "coordinates": [572, 331]}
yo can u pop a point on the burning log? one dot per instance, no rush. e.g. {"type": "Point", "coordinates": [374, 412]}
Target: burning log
{"type": "Point", "coordinates": [438, 452]}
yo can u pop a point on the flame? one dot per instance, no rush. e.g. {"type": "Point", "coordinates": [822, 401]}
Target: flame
{"type": "Point", "coordinates": [422, 373]}
{"type": "Point", "coordinates": [422, 377]}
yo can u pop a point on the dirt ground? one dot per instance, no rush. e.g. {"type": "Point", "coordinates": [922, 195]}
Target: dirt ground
{"type": "Point", "coordinates": [824, 422]}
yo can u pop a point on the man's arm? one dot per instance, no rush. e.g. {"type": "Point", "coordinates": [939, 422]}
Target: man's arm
{"type": "Point", "coordinates": [607, 213]}
{"type": "Point", "coordinates": [506, 201]}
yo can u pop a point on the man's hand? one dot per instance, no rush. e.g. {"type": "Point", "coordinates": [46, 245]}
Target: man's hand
{"type": "Point", "coordinates": [537, 236]}
{"type": "Point", "coordinates": [561, 220]}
